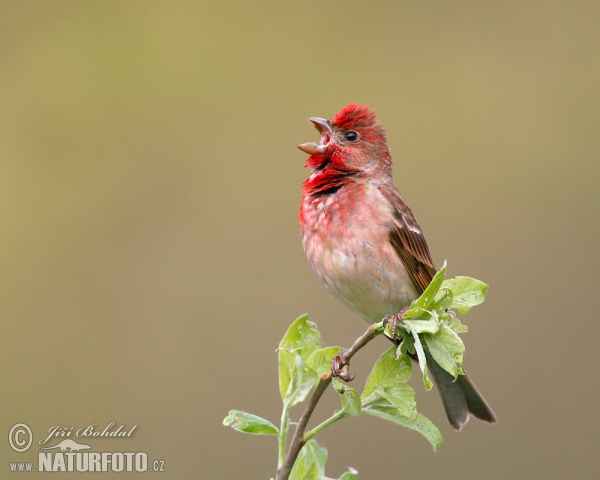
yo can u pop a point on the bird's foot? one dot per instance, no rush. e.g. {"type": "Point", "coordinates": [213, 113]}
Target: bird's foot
{"type": "Point", "coordinates": [340, 367]}
{"type": "Point", "coordinates": [393, 320]}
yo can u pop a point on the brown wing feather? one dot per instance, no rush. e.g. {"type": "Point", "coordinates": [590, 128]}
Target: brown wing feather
{"type": "Point", "coordinates": [408, 240]}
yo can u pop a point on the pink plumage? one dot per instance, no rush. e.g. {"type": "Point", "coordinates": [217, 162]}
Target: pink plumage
{"type": "Point", "coordinates": [362, 239]}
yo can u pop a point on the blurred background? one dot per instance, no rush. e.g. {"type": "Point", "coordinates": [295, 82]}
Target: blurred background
{"type": "Point", "coordinates": [150, 183]}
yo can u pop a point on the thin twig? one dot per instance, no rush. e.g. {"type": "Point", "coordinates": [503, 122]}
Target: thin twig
{"type": "Point", "coordinates": [365, 338]}
{"type": "Point", "coordinates": [298, 440]}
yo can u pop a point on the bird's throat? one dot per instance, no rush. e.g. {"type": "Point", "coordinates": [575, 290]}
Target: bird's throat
{"type": "Point", "coordinates": [326, 180]}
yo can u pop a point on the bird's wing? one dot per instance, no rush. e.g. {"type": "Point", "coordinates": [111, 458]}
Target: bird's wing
{"type": "Point", "coordinates": [408, 240]}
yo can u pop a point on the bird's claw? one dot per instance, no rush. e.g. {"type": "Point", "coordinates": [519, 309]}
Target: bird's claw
{"type": "Point", "coordinates": [340, 367]}
{"type": "Point", "coordinates": [393, 320]}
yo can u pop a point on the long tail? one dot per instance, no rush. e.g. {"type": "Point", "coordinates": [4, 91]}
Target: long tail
{"type": "Point", "coordinates": [460, 397]}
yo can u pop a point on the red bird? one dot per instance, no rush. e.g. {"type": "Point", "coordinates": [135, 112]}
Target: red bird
{"type": "Point", "coordinates": [363, 241]}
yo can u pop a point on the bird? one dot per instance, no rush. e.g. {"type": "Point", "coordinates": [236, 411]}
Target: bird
{"type": "Point", "coordinates": [363, 241]}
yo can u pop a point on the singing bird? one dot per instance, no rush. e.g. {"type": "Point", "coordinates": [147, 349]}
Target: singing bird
{"type": "Point", "coordinates": [363, 241]}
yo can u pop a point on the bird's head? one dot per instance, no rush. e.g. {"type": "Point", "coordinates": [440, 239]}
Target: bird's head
{"type": "Point", "coordinates": [352, 140]}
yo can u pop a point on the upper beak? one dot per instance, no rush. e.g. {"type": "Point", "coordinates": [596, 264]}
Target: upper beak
{"type": "Point", "coordinates": [324, 129]}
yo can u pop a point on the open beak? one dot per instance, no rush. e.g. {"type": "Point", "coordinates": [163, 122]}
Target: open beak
{"type": "Point", "coordinates": [324, 129]}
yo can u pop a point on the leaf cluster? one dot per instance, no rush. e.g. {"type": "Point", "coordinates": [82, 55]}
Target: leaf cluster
{"type": "Point", "coordinates": [430, 324]}
{"type": "Point", "coordinates": [429, 327]}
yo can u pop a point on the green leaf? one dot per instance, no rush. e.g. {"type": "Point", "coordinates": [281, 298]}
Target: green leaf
{"type": "Point", "coordinates": [287, 360]}
{"type": "Point", "coordinates": [310, 464]}
{"type": "Point", "coordinates": [422, 424]}
{"type": "Point", "coordinates": [432, 325]}
{"type": "Point", "coordinates": [248, 423]}
{"type": "Point", "coordinates": [320, 360]}
{"type": "Point", "coordinates": [338, 385]}
{"type": "Point", "coordinates": [454, 324]}
{"type": "Point", "coordinates": [422, 362]}
{"type": "Point", "coordinates": [302, 337]}
{"type": "Point", "coordinates": [349, 475]}
{"type": "Point", "coordinates": [387, 382]}
{"type": "Point", "coordinates": [443, 300]}
{"type": "Point", "coordinates": [296, 378]}
{"type": "Point", "coordinates": [387, 371]}
{"type": "Point", "coordinates": [307, 378]}
{"type": "Point", "coordinates": [402, 397]}
{"type": "Point", "coordinates": [420, 351]}
{"type": "Point", "coordinates": [427, 298]}
{"type": "Point", "coordinates": [302, 380]}
{"type": "Point", "coordinates": [447, 349]}
{"type": "Point", "coordinates": [467, 292]}
{"type": "Point", "coordinates": [350, 401]}
{"type": "Point", "coordinates": [407, 345]}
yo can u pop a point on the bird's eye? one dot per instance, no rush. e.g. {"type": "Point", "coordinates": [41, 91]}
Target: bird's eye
{"type": "Point", "coordinates": [351, 136]}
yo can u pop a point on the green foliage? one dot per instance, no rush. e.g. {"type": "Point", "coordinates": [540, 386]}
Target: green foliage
{"type": "Point", "coordinates": [296, 379]}
{"type": "Point", "coordinates": [310, 464]}
{"type": "Point", "coordinates": [429, 326]}
{"type": "Point", "coordinates": [387, 376]}
{"type": "Point", "coordinates": [302, 361]}
{"type": "Point", "coordinates": [320, 360]}
{"type": "Point", "coordinates": [415, 327]}
{"type": "Point", "coordinates": [447, 349]}
{"type": "Point", "coordinates": [427, 298]}
{"type": "Point", "coordinates": [248, 423]}
{"type": "Point", "coordinates": [467, 292]}
{"type": "Point", "coordinates": [422, 424]}
{"type": "Point", "coordinates": [349, 475]}
{"type": "Point", "coordinates": [302, 337]}
{"type": "Point", "coordinates": [351, 404]}
{"type": "Point", "coordinates": [388, 397]}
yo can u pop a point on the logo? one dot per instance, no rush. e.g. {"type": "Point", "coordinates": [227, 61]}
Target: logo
{"type": "Point", "coordinates": [16, 440]}
{"type": "Point", "coordinates": [69, 455]}
{"type": "Point", "coordinates": [69, 445]}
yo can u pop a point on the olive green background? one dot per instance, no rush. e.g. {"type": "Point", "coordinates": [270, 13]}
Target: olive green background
{"type": "Point", "coordinates": [150, 259]}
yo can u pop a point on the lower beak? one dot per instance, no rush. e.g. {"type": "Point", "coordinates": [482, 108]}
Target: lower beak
{"type": "Point", "coordinates": [324, 129]}
{"type": "Point", "coordinates": [312, 147]}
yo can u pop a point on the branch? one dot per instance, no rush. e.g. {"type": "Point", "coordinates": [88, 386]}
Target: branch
{"type": "Point", "coordinates": [298, 440]}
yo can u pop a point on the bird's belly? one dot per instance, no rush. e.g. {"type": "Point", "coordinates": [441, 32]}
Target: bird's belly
{"type": "Point", "coordinates": [362, 270]}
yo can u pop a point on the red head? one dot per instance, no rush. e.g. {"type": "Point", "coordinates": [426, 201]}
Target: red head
{"type": "Point", "coordinates": [351, 142]}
